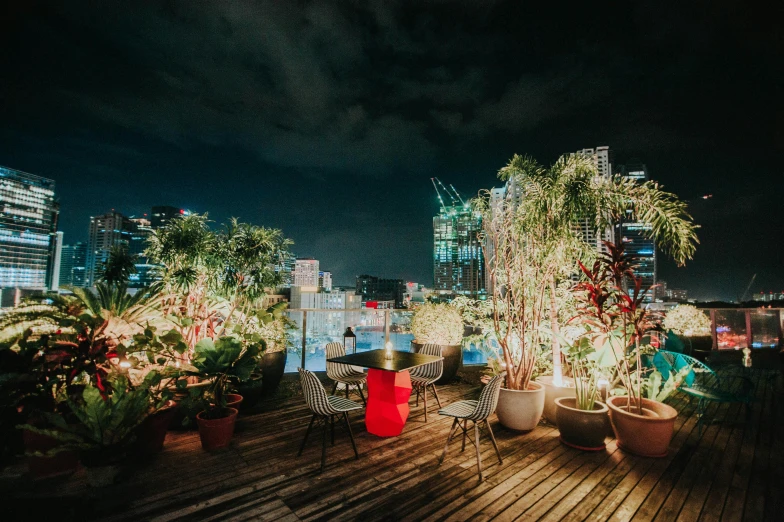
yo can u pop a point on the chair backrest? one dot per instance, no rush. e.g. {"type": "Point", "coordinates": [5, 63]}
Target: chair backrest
{"type": "Point", "coordinates": [430, 371]}
{"type": "Point", "coordinates": [313, 390]}
{"type": "Point", "coordinates": [667, 362]}
{"type": "Point", "coordinates": [336, 371]}
{"type": "Point", "coordinates": [488, 399]}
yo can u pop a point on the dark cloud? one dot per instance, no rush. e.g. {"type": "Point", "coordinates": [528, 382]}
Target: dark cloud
{"type": "Point", "coordinates": [328, 118]}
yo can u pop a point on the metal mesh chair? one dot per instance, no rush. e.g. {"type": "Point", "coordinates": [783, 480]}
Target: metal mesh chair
{"type": "Point", "coordinates": [344, 373]}
{"type": "Point", "coordinates": [427, 375]}
{"type": "Point", "coordinates": [325, 408]}
{"type": "Point", "coordinates": [476, 412]}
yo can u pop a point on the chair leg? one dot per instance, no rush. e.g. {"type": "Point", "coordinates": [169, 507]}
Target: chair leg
{"type": "Point", "coordinates": [416, 389]}
{"type": "Point", "coordinates": [435, 392]}
{"type": "Point", "coordinates": [492, 438]}
{"type": "Point", "coordinates": [359, 389]}
{"type": "Point", "coordinates": [424, 395]}
{"type": "Point", "coordinates": [478, 454]}
{"type": "Point", "coordinates": [334, 388]}
{"type": "Point", "coordinates": [451, 434]}
{"type": "Point", "coordinates": [348, 386]}
{"type": "Point", "coordinates": [324, 444]}
{"type": "Point", "coordinates": [332, 422]}
{"type": "Point", "coordinates": [302, 447]}
{"type": "Point", "coordinates": [465, 433]}
{"type": "Point", "coordinates": [351, 435]}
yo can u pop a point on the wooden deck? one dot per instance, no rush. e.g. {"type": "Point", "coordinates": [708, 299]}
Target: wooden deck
{"type": "Point", "coordinates": [735, 471]}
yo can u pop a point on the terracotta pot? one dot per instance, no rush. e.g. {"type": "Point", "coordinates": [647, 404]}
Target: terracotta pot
{"type": "Point", "coordinates": [581, 429]}
{"type": "Point", "coordinates": [453, 359]}
{"type": "Point", "coordinates": [552, 392]}
{"type": "Point", "coordinates": [521, 410]}
{"type": "Point", "coordinates": [58, 464]}
{"type": "Point", "coordinates": [272, 366]}
{"type": "Point", "coordinates": [647, 435]}
{"type": "Point", "coordinates": [216, 433]}
{"type": "Point", "coordinates": [151, 433]}
{"type": "Point", "coordinates": [233, 400]}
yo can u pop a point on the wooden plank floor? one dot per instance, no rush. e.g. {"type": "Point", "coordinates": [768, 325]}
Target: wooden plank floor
{"type": "Point", "coordinates": [734, 471]}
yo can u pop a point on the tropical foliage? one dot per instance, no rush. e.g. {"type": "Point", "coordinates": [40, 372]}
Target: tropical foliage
{"type": "Point", "coordinates": [553, 206]}
{"type": "Point", "coordinates": [687, 320]}
{"type": "Point", "coordinates": [437, 323]}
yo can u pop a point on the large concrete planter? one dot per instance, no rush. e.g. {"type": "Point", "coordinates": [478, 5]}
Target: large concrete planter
{"type": "Point", "coordinates": [453, 359]}
{"type": "Point", "coordinates": [647, 435]}
{"type": "Point", "coordinates": [552, 392]}
{"type": "Point", "coordinates": [581, 429]}
{"type": "Point", "coordinates": [521, 410]}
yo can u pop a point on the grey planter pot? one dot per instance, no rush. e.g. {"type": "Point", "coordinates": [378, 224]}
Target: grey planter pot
{"type": "Point", "coordinates": [581, 429]}
{"type": "Point", "coordinates": [272, 366]}
{"type": "Point", "coordinates": [453, 359]}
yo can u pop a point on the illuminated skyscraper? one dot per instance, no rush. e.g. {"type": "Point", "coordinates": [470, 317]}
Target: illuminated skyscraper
{"type": "Point", "coordinates": [72, 265]}
{"type": "Point", "coordinates": [161, 215]}
{"type": "Point", "coordinates": [306, 272]}
{"type": "Point", "coordinates": [602, 158]}
{"type": "Point", "coordinates": [458, 260]}
{"type": "Point", "coordinates": [141, 230]}
{"type": "Point", "coordinates": [28, 224]}
{"type": "Point", "coordinates": [632, 233]}
{"type": "Point", "coordinates": [106, 231]}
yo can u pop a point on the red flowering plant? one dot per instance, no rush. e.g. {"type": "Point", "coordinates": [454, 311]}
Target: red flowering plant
{"type": "Point", "coordinates": [611, 308]}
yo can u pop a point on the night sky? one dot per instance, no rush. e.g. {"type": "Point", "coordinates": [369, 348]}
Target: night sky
{"type": "Point", "coordinates": [328, 119]}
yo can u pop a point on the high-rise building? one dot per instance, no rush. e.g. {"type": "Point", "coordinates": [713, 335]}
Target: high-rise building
{"type": "Point", "coordinates": [28, 224]}
{"type": "Point", "coordinates": [642, 249]}
{"type": "Point", "coordinates": [325, 281]}
{"type": "Point", "coordinates": [141, 230]}
{"type": "Point", "coordinates": [306, 272]}
{"type": "Point", "coordinates": [373, 288]}
{"type": "Point", "coordinates": [284, 266]}
{"type": "Point", "coordinates": [110, 229]}
{"type": "Point", "coordinates": [54, 284]}
{"type": "Point", "coordinates": [72, 265]}
{"type": "Point", "coordinates": [161, 215]}
{"type": "Point", "coordinates": [458, 260]}
{"type": "Point", "coordinates": [602, 158]}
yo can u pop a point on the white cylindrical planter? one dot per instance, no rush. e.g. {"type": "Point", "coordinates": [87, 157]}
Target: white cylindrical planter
{"type": "Point", "coordinates": [521, 410]}
{"type": "Point", "coordinates": [552, 392]}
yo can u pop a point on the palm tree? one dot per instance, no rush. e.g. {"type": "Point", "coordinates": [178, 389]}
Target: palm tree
{"type": "Point", "coordinates": [553, 202]}
{"type": "Point", "coordinates": [119, 266]}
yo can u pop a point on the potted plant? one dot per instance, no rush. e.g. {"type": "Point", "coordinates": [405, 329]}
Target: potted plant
{"type": "Point", "coordinates": [442, 324]}
{"type": "Point", "coordinates": [273, 327]}
{"type": "Point", "coordinates": [642, 426]}
{"type": "Point", "coordinates": [693, 324]}
{"type": "Point", "coordinates": [106, 427]}
{"type": "Point", "coordinates": [582, 420]}
{"type": "Point", "coordinates": [221, 361]}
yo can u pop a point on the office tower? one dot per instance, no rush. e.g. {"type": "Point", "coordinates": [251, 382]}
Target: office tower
{"type": "Point", "coordinates": [306, 272]}
{"type": "Point", "coordinates": [161, 215]}
{"type": "Point", "coordinates": [325, 322]}
{"type": "Point", "coordinates": [110, 229]}
{"type": "Point", "coordinates": [373, 288]}
{"type": "Point", "coordinates": [642, 249]}
{"type": "Point", "coordinates": [54, 284]}
{"type": "Point", "coordinates": [72, 265]}
{"type": "Point", "coordinates": [458, 260]}
{"type": "Point", "coordinates": [28, 223]}
{"type": "Point", "coordinates": [602, 158]}
{"type": "Point", "coordinates": [141, 230]}
{"type": "Point", "coordinates": [325, 281]}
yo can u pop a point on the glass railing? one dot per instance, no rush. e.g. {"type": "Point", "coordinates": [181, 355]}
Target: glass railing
{"type": "Point", "coordinates": [731, 328]}
{"type": "Point", "coordinates": [373, 329]}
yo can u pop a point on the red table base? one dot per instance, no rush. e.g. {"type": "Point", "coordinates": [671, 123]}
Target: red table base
{"type": "Point", "coordinates": [387, 405]}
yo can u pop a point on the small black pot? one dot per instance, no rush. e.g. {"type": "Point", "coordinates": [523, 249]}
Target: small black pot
{"type": "Point", "coordinates": [251, 392]}
{"type": "Point", "coordinates": [272, 366]}
{"type": "Point", "coordinates": [701, 346]}
{"type": "Point", "coordinates": [453, 359]}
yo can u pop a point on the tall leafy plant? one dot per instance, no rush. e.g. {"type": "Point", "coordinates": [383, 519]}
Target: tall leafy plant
{"type": "Point", "coordinates": [555, 203]}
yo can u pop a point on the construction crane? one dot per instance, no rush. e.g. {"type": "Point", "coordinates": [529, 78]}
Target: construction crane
{"type": "Point", "coordinates": [450, 192]}
{"type": "Point", "coordinates": [747, 288]}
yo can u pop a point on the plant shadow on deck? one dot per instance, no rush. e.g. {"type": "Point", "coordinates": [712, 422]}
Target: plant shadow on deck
{"type": "Point", "coordinates": [732, 472]}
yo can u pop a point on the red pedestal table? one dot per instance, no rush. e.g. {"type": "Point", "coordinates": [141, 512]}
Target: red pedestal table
{"type": "Point", "coordinates": [387, 405]}
{"type": "Point", "coordinates": [389, 387]}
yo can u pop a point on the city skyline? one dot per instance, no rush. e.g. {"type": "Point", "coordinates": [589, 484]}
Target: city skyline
{"type": "Point", "coordinates": [328, 120]}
